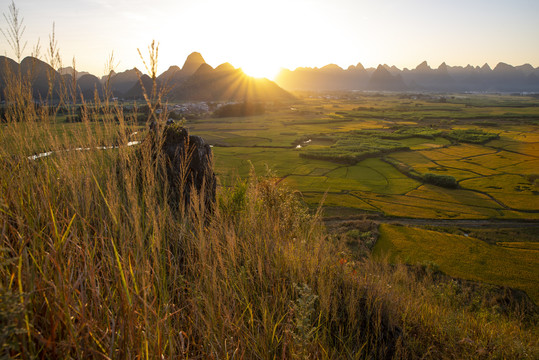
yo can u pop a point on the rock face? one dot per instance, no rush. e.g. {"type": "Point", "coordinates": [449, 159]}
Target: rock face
{"type": "Point", "coordinates": [189, 165]}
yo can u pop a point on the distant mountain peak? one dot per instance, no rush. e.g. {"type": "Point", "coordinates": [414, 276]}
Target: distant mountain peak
{"type": "Point", "coordinates": [525, 67]}
{"type": "Point", "coordinates": [382, 79]}
{"type": "Point", "coordinates": [69, 71]}
{"type": "Point", "coordinates": [486, 67]}
{"type": "Point", "coordinates": [109, 75]}
{"type": "Point", "coordinates": [194, 57]}
{"type": "Point", "coordinates": [203, 69]}
{"type": "Point", "coordinates": [225, 67]}
{"type": "Point", "coordinates": [332, 67]}
{"type": "Point", "coordinates": [174, 68]}
{"type": "Point", "coordinates": [424, 66]}
{"type": "Point", "coordinates": [192, 63]}
{"type": "Point", "coordinates": [503, 67]}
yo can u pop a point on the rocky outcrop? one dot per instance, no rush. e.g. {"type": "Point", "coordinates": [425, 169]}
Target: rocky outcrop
{"type": "Point", "coordinates": [188, 164]}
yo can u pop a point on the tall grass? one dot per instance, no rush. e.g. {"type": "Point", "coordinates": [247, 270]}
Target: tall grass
{"type": "Point", "coordinates": [97, 263]}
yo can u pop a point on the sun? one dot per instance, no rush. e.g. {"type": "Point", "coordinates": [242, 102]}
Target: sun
{"type": "Point", "coordinates": [261, 70]}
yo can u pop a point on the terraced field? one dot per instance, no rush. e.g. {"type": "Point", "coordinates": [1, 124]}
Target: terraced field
{"type": "Point", "coordinates": [370, 152]}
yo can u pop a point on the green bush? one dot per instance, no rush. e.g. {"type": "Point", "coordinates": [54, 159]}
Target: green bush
{"type": "Point", "coordinates": [446, 181]}
{"type": "Point", "coordinates": [471, 136]}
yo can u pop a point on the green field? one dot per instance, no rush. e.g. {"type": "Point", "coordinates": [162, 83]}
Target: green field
{"type": "Point", "coordinates": [369, 152]}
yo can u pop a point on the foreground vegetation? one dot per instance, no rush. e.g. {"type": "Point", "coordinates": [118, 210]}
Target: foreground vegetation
{"type": "Point", "coordinates": [97, 264]}
{"type": "Point", "coordinates": [110, 272]}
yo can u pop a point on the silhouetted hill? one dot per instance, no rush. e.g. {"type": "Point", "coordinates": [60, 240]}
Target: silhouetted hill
{"type": "Point", "coordinates": [423, 77]}
{"type": "Point", "coordinates": [225, 67]}
{"type": "Point", "coordinates": [7, 66]}
{"type": "Point", "coordinates": [136, 91]}
{"type": "Point", "coordinates": [526, 69]}
{"type": "Point", "coordinates": [87, 84]}
{"type": "Point", "coordinates": [226, 83]}
{"type": "Point", "coordinates": [122, 82]}
{"type": "Point", "coordinates": [382, 79]}
{"type": "Point", "coordinates": [330, 77]}
{"type": "Point", "coordinates": [105, 78]}
{"type": "Point", "coordinates": [174, 75]}
{"type": "Point", "coordinates": [195, 81]}
{"type": "Point", "coordinates": [7, 62]}
{"type": "Point", "coordinates": [203, 69]}
{"type": "Point", "coordinates": [192, 63]}
{"type": "Point", "coordinates": [39, 72]}
{"type": "Point", "coordinates": [69, 71]}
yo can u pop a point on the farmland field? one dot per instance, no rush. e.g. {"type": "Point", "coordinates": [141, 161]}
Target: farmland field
{"type": "Point", "coordinates": [398, 155]}
{"type": "Point", "coordinates": [371, 152]}
{"type": "Point", "coordinates": [509, 264]}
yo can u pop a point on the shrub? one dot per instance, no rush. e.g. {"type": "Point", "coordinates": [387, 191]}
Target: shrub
{"type": "Point", "coordinates": [471, 136]}
{"type": "Point", "coordinates": [446, 181]}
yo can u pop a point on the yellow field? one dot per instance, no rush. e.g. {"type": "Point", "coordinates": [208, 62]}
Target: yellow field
{"type": "Point", "coordinates": [515, 191]}
{"type": "Point", "coordinates": [417, 207]}
{"type": "Point", "coordinates": [520, 245]}
{"type": "Point", "coordinates": [453, 196]}
{"type": "Point", "coordinates": [457, 152]}
{"type": "Point", "coordinates": [462, 256]}
{"type": "Point", "coordinates": [468, 165]}
{"type": "Point", "coordinates": [500, 159]}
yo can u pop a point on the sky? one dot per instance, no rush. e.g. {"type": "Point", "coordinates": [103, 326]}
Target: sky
{"type": "Point", "coordinates": [262, 36]}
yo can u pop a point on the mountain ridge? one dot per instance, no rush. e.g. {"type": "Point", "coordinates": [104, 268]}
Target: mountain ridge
{"type": "Point", "coordinates": [502, 78]}
{"type": "Point", "coordinates": [196, 80]}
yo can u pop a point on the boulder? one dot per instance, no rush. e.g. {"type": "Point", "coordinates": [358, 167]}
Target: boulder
{"type": "Point", "coordinates": [189, 164]}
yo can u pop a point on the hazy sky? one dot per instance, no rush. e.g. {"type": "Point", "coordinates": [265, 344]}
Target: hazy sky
{"type": "Point", "coordinates": [263, 35]}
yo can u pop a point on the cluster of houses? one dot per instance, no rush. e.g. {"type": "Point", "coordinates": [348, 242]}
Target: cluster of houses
{"type": "Point", "coordinates": [199, 108]}
{"type": "Point", "coordinates": [190, 108]}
